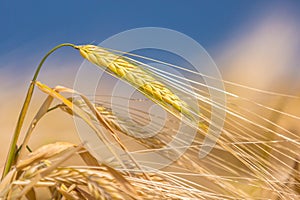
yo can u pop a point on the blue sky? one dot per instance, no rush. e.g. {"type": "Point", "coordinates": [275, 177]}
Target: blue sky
{"type": "Point", "coordinates": [40, 25]}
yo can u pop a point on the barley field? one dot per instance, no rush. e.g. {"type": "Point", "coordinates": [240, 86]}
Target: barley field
{"type": "Point", "coordinates": [250, 140]}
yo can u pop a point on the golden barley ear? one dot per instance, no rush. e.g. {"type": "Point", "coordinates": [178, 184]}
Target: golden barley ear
{"type": "Point", "coordinates": [138, 77]}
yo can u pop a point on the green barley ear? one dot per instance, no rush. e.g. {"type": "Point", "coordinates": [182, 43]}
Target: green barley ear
{"type": "Point", "coordinates": [135, 75]}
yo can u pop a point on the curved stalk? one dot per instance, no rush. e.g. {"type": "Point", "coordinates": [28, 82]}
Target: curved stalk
{"type": "Point", "coordinates": [12, 150]}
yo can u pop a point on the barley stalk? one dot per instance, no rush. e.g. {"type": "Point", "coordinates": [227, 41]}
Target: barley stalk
{"type": "Point", "coordinates": [12, 150]}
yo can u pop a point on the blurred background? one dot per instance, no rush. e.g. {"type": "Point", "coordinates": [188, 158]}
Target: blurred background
{"type": "Point", "coordinates": [255, 43]}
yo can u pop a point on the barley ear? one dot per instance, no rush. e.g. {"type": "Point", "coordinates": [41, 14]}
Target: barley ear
{"type": "Point", "coordinates": [139, 78]}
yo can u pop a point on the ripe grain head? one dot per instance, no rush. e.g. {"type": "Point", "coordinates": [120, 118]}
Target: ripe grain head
{"type": "Point", "coordinates": [138, 77]}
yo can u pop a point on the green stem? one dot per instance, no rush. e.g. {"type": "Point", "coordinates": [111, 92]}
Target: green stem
{"type": "Point", "coordinates": [11, 154]}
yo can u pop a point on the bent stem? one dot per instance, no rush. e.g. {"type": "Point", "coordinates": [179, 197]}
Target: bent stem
{"type": "Point", "coordinates": [11, 154]}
